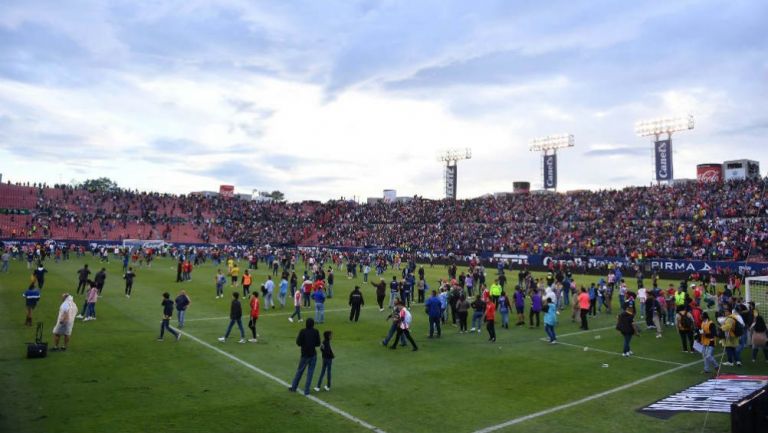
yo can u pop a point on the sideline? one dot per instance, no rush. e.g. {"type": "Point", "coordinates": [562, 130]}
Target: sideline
{"type": "Point", "coordinates": [285, 384]}
{"type": "Point", "coordinates": [584, 400]}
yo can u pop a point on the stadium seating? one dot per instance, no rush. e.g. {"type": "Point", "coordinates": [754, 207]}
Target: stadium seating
{"type": "Point", "coordinates": [723, 221]}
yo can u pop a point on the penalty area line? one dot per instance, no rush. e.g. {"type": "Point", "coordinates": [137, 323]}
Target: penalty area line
{"type": "Point", "coordinates": [593, 349]}
{"type": "Point", "coordinates": [325, 404]}
{"type": "Point", "coordinates": [584, 400]}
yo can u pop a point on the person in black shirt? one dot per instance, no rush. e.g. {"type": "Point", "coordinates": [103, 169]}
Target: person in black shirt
{"type": "Point", "coordinates": [99, 279]}
{"type": "Point", "coordinates": [128, 277]}
{"type": "Point", "coordinates": [308, 339]}
{"type": "Point", "coordinates": [39, 274]}
{"type": "Point", "coordinates": [235, 316]}
{"type": "Point", "coordinates": [82, 279]}
{"type": "Point", "coordinates": [327, 352]}
{"type": "Point", "coordinates": [355, 301]}
{"type": "Point", "coordinates": [167, 305]}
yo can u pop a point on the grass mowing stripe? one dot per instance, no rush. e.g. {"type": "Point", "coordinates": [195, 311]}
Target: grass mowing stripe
{"type": "Point", "coordinates": [585, 399]}
{"type": "Point", "coordinates": [615, 353]}
{"type": "Point", "coordinates": [325, 404]}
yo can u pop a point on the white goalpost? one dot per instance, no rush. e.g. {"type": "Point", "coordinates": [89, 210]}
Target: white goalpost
{"type": "Point", "coordinates": [757, 292]}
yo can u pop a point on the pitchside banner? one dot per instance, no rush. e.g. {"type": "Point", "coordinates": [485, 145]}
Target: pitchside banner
{"type": "Point", "coordinates": [663, 156]}
{"type": "Point", "coordinates": [550, 171]}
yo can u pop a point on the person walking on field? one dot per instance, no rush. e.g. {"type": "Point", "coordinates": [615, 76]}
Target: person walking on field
{"type": "Point", "coordinates": [308, 339]}
{"type": "Point", "coordinates": [355, 301]}
{"type": "Point", "coordinates": [64, 322]}
{"type": "Point", "coordinates": [82, 279]}
{"type": "Point", "coordinates": [685, 325]}
{"type": "Point", "coordinates": [328, 356]}
{"type": "Point", "coordinates": [165, 325]}
{"type": "Point", "coordinates": [550, 319]}
{"type": "Point", "coordinates": [31, 297]}
{"type": "Point", "coordinates": [625, 325]}
{"type": "Point", "coordinates": [182, 303]}
{"type": "Point", "coordinates": [255, 308]}
{"type": "Point", "coordinates": [708, 341]}
{"type": "Point", "coordinates": [584, 305]}
{"type": "Point", "coordinates": [381, 288]}
{"type": "Point", "coordinates": [435, 312]}
{"type": "Point", "coordinates": [403, 326]}
{"type": "Point", "coordinates": [235, 316]}
{"type": "Point", "coordinates": [296, 306]}
{"type": "Point", "coordinates": [490, 320]}
{"type": "Point", "coordinates": [128, 277]}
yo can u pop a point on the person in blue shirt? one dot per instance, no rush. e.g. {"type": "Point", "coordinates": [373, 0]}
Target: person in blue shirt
{"type": "Point", "coordinates": [550, 320]}
{"type": "Point", "coordinates": [592, 300]}
{"type": "Point", "coordinates": [319, 297]}
{"type": "Point", "coordinates": [434, 310]}
{"type": "Point", "coordinates": [32, 296]}
{"type": "Point", "coordinates": [283, 292]}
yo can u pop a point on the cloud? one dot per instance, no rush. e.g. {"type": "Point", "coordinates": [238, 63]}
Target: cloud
{"type": "Point", "coordinates": [616, 151]}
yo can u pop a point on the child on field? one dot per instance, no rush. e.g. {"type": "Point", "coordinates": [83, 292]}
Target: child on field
{"type": "Point", "coordinates": [90, 307]}
{"type": "Point", "coordinates": [325, 349]}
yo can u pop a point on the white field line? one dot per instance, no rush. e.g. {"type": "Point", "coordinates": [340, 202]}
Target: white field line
{"type": "Point", "coordinates": [592, 349]}
{"type": "Point", "coordinates": [325, 404]}
{"type": "Point", "coordinates": [584, 400]}
{"type": "Point", "coordinates": [586, 332]}
{"type": "Point", "coordinates": [265, 315]}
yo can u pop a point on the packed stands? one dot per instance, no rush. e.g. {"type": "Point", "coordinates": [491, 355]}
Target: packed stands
{"type": "Point", "coordinates": [714, 221]}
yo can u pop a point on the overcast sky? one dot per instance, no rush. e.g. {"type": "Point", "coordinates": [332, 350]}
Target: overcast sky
{"type": "Point", "coordinates": [323, 99]}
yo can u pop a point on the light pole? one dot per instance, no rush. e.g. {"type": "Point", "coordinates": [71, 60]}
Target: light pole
{"type": "Point", "coordinates": [662, 149]}
{"type": "Point", "coordinates": [450, 157]}
{"type": "Point", "coordinates": [548, 147]}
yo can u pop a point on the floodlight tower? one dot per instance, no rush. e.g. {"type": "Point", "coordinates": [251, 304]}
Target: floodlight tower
{"type": "Point", "coordinates": [450, 157]}
{"type": "Point", "coordinates": [548, 147]}
{"type": "Point", "coordinates": [662, 149]}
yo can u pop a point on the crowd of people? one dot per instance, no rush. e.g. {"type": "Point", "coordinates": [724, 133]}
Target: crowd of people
{"type": "Point", "coordinates": [710, 221]}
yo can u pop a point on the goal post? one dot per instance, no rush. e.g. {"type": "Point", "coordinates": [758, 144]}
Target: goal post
{"type": "Point", "coordinates": [757, 291]}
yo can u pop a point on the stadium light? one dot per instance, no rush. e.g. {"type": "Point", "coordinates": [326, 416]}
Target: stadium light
{"type": "Point", "coordinates": [548, 146]}
{"type": "Point", "coordinates": [662, 149]}
{"type": "Point", "coordinates": [552, 142]}
{"type": "Point", "coordinates": [667, 125]}
{"type": "Point", "coordinates": [450, 157]}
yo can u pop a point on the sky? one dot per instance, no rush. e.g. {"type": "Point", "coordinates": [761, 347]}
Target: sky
{"type": "Point", "coordinates": [330, 99]}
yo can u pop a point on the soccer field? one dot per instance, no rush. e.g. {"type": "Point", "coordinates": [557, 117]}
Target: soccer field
{"type": "Point", "coordinates": [117, 377]}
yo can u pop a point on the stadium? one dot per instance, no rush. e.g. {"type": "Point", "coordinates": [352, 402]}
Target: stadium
{"type": "Point", "coordinates": [232, 254]}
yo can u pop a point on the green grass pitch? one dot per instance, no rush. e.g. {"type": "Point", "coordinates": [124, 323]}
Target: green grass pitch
{"type": "Point", "coordinates": [116, 378]}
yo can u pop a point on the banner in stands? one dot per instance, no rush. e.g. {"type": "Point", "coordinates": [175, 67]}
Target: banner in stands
{"type": "Point", "coordinates": [661, 265]}
{"type": "Point", "coordinates": [714, 395]}
{"type": "Point", "coordinates": [663, 155]}
{"type": "Point", "coordinates": [550, 171]}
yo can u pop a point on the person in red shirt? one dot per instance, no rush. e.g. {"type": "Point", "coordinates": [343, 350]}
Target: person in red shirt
{"type": "Point", "coordinates": [254, 315]}
{"type": "Point", "coordinates": [490, 320]}
{"type": "Point", "coordinates": [583, 307]}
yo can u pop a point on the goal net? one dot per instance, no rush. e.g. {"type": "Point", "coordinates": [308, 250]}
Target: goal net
{"type": "Point", "coordinates": [757, 292]}
{"type": "Point", "coordinates": [133, 244]}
